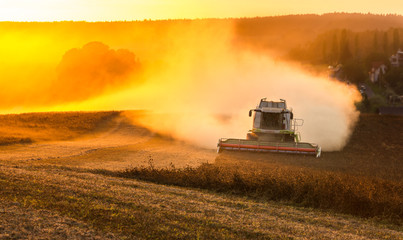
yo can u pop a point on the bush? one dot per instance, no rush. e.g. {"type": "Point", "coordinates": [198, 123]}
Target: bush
{"type": "Point", "coordinates": [394, 78]}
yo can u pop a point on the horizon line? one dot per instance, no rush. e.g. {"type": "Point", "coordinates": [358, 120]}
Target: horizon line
{"type": "Point", "coordinates": [208, 18]}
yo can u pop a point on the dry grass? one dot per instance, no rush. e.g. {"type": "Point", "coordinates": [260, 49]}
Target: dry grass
{"type": "Point", "coordinates": [360, 196]}
{"type": "Point", "coordinates": [19, 222]}
{"type": "Point", "coordinates": [132, 209]}
{"type": "Point", "coordinates": [34, 127]}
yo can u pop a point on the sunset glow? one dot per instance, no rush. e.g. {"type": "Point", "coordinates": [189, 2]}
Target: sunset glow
{"type": "Point", "coordinates": [174, 66]}
{"type": "Point", "coordinates": [125, 10]}
{"type": "Point", "coordinates": [201, 119]}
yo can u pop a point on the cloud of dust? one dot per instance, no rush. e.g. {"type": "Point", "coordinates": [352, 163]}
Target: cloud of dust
{"type": "Point", "coordinates": [208, 84]}
{"type": "Point", "coordinates": [90, 70]}
{"type": "Point", "coordinates": [197, 81]}
{"type": "Point", "coordinates": [81, 74]}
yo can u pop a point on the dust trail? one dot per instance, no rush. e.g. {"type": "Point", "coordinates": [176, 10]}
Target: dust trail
{"type": "Point", "coordinates": [210, 84]}
{"type": "Point", "coordinates": [198, 81]}
{"type": "Point", "coordinates": [82, 73]}
{"type": "Point", "coordinates": [89, 71]}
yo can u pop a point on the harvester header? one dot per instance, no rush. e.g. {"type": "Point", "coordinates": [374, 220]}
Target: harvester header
{"type": "Point", "coordinates": [274, 130]}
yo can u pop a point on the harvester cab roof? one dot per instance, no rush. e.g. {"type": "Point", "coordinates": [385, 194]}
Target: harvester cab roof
{"type": "Point", "coordinates": [271, 104]}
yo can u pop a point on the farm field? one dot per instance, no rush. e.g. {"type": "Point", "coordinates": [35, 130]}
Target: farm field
{"type": "Point", "coordinates": [96, 175]}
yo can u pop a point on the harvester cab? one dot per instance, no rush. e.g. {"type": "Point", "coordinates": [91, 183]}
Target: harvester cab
{"type": "Point", "coordinates": [272, 121]}
{"type": "Point", "coordinates": [274, 130]}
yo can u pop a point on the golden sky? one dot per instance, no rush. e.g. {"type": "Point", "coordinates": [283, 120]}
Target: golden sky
{"type": "Point", "coordinates": [115, 10]}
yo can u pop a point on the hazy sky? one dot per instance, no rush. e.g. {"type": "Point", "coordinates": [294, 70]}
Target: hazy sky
{"type": "Point", "coordinates": [113, 10]}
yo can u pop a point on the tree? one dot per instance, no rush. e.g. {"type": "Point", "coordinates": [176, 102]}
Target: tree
{"type": "Point", "coordinates": [354, 71]}
{"type": "Point", "coordinates": [356, 46]}
{"type": "Point", "coordinates": [324, 53]}
{"type": "Point", "coordinates": [345, 53]}
{"type": "Point", "coordinates": [385, 42]}
{"type": "Point", "coordinates": [376, 41]}
{"type": "Point", "coordinates": [335, 50]}
{"type": "Point", "coordinates": [394, 78]}
{"type": "Point", "coordinates": [396, 40]}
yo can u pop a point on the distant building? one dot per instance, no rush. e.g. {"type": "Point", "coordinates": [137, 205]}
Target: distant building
{"type": "Point", "coordinates": [378, 69]}
{"type": "Point", "coordinates": [396, 60]}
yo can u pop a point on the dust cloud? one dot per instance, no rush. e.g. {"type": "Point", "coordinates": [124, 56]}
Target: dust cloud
{"type": "Point", "coordinates": [89, 71]}
{"type": "Point", "coordinates": [82, 73]}
{"type": "Point", "coordinates": [197, 83]}
{"type": "Point", "coordinates": [209, 84]}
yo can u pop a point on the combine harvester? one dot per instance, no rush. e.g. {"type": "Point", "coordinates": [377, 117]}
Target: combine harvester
{"type": "Point", "coordinates": [274, 130]}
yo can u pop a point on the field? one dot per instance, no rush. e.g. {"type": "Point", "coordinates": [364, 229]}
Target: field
{"type": "Point", "coordinates": [97, 175]}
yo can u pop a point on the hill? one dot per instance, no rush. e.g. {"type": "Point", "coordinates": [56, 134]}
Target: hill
{"type": "Point", "coordinates": [283, 33]}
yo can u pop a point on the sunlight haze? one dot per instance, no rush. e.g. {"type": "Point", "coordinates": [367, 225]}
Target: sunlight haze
{"type": "Point", "coordinates": [125, 10]}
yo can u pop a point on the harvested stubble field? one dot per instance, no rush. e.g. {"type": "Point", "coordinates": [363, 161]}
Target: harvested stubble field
{"type": "Point", "coordinates": [88, 176]}
{"type": "Point", "coordinates": [33, 127]}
